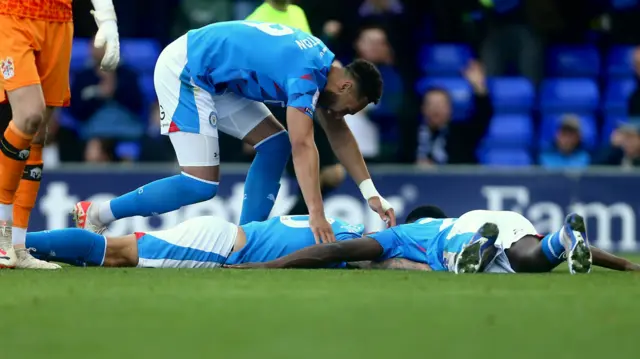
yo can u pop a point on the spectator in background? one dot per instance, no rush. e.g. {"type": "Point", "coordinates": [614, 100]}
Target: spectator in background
{"type": "Point", "coordinates": [566, 150]}
{"type": "Point", "coordinates": [193, 14]}
{"type": "Point", "coordinates": [281, 12]}
{"type": "Point", "coordinates": [107, 103]}
{"type": "Point", "coordinates": [373, 45]}
{"type": "Point", "coordinates": [441, 141]}
{"type": "Point", "coordinates": [99, 151]}
{"type": "Point", "coordinates": [634, 99]}
{"type": "Point", "coordinates": [512, 39]}
{"type": "Point", "coordinates": [625, 146]}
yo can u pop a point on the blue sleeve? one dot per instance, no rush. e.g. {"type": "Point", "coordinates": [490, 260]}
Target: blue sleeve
{"type": "Point", "coordinates": [389, 241]}
{"type": "Point", "coordinates": [303, 91]}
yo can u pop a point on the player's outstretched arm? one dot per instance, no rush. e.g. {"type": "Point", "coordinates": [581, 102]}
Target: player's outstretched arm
{"type": "Point", "coordinates": [607, 260]}
{"type": "Point", "coordinates": [346, 148]}
{"type": "Point", "coordinates": [391, 263]}
{"type": "Point", "coordinates": [322, 255]}
{"type": "Point", "coordinates": [107, 36]}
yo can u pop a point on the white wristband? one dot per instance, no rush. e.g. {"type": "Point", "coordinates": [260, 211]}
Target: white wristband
{"type": "Point", "coordinates": [367, 189]}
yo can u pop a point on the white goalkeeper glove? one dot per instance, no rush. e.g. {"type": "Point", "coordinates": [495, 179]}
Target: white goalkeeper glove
{"type": "Point", "coordinates": [107, 35]}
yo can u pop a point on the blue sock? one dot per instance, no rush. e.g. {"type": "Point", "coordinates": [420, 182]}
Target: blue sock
{"type": "Point", "coordinates": [263, 179]}
{"type": "Point", "coordinates": [162, 196]}
{"type": "Point", "coordinates": [70, 245]}
{"type": "Point", "coordinates": [553, 248]}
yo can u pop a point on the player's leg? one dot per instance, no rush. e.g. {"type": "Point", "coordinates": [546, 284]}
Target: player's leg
{"type": "Point", "coordinates": [254, 124]}
{"type": "Point", "coordinates": [202, 242]}
{"type": "Point", "coordinates": [21, 82]}
{"type": "Point", "coordinates": [530, 254]}
{"type": "Point", "coordinates": [83, 248]}
{"type": "Point", "coordinates": [185, 116]}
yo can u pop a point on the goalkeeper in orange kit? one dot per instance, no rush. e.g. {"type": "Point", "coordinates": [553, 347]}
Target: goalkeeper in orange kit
{"type": "Point", "coordinates": [35, 53]}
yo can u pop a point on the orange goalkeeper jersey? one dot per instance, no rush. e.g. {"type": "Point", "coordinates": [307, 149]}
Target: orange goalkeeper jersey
{"type": "Point", "coordinates": [49, 10]}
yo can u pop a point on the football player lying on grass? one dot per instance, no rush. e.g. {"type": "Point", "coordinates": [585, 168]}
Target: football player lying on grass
{"type": "Point", "coordinates": [505, 242]}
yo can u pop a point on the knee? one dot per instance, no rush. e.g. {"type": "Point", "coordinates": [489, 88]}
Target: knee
{"type": "Point", "coordinates": [30, 121]}
{"type": "Point", "coordinates": [332, 176]}
{"type": "Point", "coordinates": [278, 143]}
{"type": "Point", "coordinates": [200, 189]}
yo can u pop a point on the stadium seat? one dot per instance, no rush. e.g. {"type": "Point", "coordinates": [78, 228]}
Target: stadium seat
{"type": "Point", "coordinates": [617, 95]}
{"type": "Point", "coordinates": [128, 150]}
{"type": "Point", "coordinates": [509, 131]}
{"type": "Point", "coordinates": [444, 59]}
{"type": "Point", "coordinates": [140, 54]}
{"type": "Point", "coordinates": [578, 95]}
{"type": "Point", "coordinates": [459, 90]}
{"type": "Point", "coordinates": [80, 53]}
{"type": "Point", "coordinates": [550, 125]}
{"type": "Point", "coordinates": [573, 61]}
{"type": "Point", "coordinates": [511, 94]}
{"type": "Point", "coordinates": [506, 158]}
{"type": "Point", "coordinates": [147, 88]}
{"type": "Point", "coordinates": [619, 61]}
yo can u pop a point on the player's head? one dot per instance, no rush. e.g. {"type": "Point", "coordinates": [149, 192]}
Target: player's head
{"type": "Point", "coordinates": [351, 89]}
{"type": "Point", "coordinates": [428, 211]}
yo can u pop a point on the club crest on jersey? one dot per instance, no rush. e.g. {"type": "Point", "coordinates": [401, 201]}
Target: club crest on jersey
{"type": "Point", "coordinates": [6, 67]}
{"type": "Point", "coordinates": [213, 119]}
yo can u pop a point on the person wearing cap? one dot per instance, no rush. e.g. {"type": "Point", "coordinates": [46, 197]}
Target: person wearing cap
{"type": "Point", "coordinates": [567, 150]}
{"type": "Point", "coordinates": [625, 145]}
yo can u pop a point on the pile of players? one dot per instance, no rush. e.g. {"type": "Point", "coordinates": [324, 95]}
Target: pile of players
{"type": "Point", "coordinates": [219, 77]}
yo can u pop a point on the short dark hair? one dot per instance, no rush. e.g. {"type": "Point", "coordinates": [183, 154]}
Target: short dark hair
{"type": "Point", "coordinates": [427, 211]}
{"type": "Point", "coordinates": [368, 78]}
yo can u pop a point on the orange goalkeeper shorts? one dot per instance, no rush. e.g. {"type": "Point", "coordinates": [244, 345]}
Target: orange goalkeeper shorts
{"type": "Point", "coordinates": [36, 52]}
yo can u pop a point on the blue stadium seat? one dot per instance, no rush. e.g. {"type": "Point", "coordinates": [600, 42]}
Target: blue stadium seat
{"type": "Point", "coordinates": [611, 122]}
{"type": "Point", "coordinates": [617, 95]}
{"type": "Point", "coordinates": [619, 61]}
{"type": "Point", "coordinates": [509, 131]}
{"type": "Point", "coordinates": [506, 158]}
{"type": "Point", "coordinates": [128, 150]}
{"type": "Point", "coordinates": [511, 94]}
{"type": "Point", "coordinates": [573, 61]}
{"type": "Point", "coordinates": [578, 95]}
{"type": "Point", "coordinates": [147, 88]}
{"type": "Point", "coordinates": [624, 4]}
{"type": "Point", "coordinates": [550, 125]}
{"type": "Point", "coordinates": [140, 54]}
{"type": "Point", "coordinates": [444, 59]}
{"type": "Point", "coordinates": [80, 53]}
{"type": "Point", "coordinates": [459, 90]}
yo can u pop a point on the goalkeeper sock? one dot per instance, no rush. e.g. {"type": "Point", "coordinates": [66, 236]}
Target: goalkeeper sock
{"type": "Point", "coordinates": [553, 248]}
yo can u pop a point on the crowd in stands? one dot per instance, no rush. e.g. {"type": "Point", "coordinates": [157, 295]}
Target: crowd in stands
{"type": "Point", "coordinates": [496, 82]}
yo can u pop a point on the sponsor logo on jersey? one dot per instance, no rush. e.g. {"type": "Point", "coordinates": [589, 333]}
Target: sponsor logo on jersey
{"type": "Point", "coordinates": [7, 68]}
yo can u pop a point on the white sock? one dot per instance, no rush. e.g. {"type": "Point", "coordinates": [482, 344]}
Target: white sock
{"type": "Point", "coordinates": [102, 214]}
{"type": "Point", "coordinates": [6, 212]}
{"type": "Point", "coordinates": [18, 236]}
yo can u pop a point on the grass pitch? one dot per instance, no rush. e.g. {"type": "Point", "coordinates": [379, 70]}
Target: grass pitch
{"type": "Point", "coordinates": [328, 314]}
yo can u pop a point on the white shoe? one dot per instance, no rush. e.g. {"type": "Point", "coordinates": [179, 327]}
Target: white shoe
{"type": "Point", "coordinates": [81, 218]}
{"type": "Point", "coordinates": [27, 261]}
{"type": "Point", "coordinates": [8, 257]}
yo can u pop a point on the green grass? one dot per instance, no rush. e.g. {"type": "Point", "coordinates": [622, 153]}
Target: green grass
{"type": "Point", "coordinates": [134, 313]}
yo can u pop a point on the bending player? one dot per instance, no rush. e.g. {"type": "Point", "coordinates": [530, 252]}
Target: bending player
{"type": "Point", "coordinates": [515, 249]}
{"type": "Point", "coordinates": [35, 53]}
{"type": "Point", "coordinates": [218, 78]}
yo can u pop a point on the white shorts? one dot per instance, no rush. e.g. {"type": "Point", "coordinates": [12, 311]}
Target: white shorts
{"type": "Point", "coordinates": [512, 225]}
{"type": "Point", "coordinates": [201, 242]}
{"type": "Point", "coordinates": [184, 107]}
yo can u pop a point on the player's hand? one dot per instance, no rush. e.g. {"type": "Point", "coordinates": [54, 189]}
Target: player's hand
{"type": "Point", "coordinates": [632, 267]}
{"type": "Point", "coordinates": [383, 209]}
{"type": "Point", "coordinates": [107, 37]}
{"type": "Point", "coordinates": [322, 231]}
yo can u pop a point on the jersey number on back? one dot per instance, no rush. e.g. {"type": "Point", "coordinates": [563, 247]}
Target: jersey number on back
{"type": "Point", "coordinates": [299, 221]}
{"type": "Point", "coordinates": [270, 29]}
